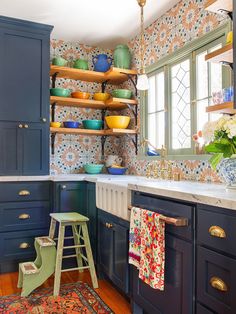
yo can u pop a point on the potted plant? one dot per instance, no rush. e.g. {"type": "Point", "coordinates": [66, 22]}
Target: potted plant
{"type": "Point", "coordinates": [220, 139]}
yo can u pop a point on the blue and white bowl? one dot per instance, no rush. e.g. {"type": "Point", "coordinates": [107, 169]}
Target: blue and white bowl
{"type": "Point", "coordinates": [227, 169]}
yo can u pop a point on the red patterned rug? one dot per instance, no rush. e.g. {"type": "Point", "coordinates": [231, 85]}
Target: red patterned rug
{"type": "Point", "coordinates": [74, 298]}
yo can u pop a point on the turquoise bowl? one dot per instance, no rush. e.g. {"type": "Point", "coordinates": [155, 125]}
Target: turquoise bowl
{"type": "Point", "coordinates": [93, 124]}
{"type": "Point", "coordinates": [122, 93]}
{"type": "Point", "coordinates": [93, 168]}
{"type": "Point", "coordinates": [60, 92]}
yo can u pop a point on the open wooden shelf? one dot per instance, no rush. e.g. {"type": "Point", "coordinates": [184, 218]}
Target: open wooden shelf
{"type": "Point", "coordinates": [227, 107]}
{"type": "Point", "coordinates": [92, 132]}
{"type": "Point", "coordinates": [111, 104]}
{"type": "Point", "coordinates": [114, 75]}
{"type": "Point", "coordinates": [224, 54]}
{"type": "Point", "coordinates": [217, 6]}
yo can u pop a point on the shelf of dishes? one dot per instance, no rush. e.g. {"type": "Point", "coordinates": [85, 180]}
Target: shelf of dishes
{"type": "Point", "coordinates": [224, 55]}
{"type": "Point", "coordinates": [113, 75]}
{"type": "Point", "coordinates": [219, 6]}
{"type": "Point", "coordinates": [107, 132]}
{"type": "Point", "coordinates": [222, 101]}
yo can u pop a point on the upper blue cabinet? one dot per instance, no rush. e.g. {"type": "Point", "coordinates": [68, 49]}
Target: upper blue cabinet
{"type": "Point", "coordinates": [24, 90]}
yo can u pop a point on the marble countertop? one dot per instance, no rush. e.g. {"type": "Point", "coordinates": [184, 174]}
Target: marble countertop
{"type": "Point", "coordinates": [195, 192]}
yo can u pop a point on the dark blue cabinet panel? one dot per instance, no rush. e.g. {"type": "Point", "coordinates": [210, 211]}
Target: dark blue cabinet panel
{"type": "Point", "coordinates": [177, 296]}
{"type": "Point", "coordinates": [24, 90]}
{"type": "Point", "coordinates": [113, 249]}
{"type": "Point", "coordinates": [203, 310]}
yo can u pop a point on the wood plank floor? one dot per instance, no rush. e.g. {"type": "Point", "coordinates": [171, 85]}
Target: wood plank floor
{"type": "Point", "coordinates": [8, 285]}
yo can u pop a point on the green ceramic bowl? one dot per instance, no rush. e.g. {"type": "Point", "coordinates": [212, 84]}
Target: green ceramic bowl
{"type": "Point", "coordinates": [93, 124]}
{"type": "Point", "coordinates": [122, 93]}
{"type": "Point", "coordinates": [93, 169]}
{"type": "Point", "coordinates": [59, 61]}
{"type": "Point", "coordinates": [81, 64]}
{"type": "Point", "coordinates": [60, 92]}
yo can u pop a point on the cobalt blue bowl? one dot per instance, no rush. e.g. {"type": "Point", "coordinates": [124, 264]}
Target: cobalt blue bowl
{"type": "Point", "coordinates": [112, 170]}
{"type": "Point", "coordinates": [151, 152]}
{"type": "Point", "coordinates": [71, 124]}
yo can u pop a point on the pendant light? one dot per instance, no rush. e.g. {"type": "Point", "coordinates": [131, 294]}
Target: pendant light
{"type": "Point", "coordinates": [142, 82]}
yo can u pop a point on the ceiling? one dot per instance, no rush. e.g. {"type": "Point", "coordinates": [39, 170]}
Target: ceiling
{"type": "Point", "coordinates": [103, 23]}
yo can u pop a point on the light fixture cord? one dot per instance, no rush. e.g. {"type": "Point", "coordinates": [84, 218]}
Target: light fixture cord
{"type": "Point", "coordinates": [142, 41]}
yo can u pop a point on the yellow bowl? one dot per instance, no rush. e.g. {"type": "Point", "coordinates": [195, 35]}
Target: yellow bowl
{"type": "Point", "coordinates": [117, 122]}
{"type": "Point", "coordinates": [55, 124]}
{"type": "Point", "coordinates": [101, 96]}
{"type": "Point", "coordinates": [80, 95]}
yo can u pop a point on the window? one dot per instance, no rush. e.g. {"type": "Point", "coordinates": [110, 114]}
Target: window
{"type": "Point", "coordinates": [179, 92]}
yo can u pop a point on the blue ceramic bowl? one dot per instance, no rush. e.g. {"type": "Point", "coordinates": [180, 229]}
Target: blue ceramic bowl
{"type": "Point", "coordinates": [93, 168]}
{"type": "Point", "coordinates": [116, 171]}
{"type": "Point", "coordinates": [71, 124]}
{"type": "Point", "coordinates": [151, 152]}
{"type": "Point", "coordinates": [93, 124]}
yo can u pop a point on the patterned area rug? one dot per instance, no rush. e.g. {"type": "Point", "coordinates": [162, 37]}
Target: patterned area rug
{"type": "Point", "coordinates": [74, 298]}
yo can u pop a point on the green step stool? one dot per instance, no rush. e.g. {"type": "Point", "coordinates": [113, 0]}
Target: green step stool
{"type": "Point", "coordinates": [80, 232]}
{"type": "Point", "coordinates": [33, 274]}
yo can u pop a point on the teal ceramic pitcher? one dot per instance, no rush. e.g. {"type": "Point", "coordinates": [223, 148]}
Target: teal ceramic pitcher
{"type": "Point", "coordinates": [122, 57]}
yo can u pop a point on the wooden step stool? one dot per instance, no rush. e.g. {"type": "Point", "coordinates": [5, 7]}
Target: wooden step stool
{"type": "Point", "coordinates": [80, 232]}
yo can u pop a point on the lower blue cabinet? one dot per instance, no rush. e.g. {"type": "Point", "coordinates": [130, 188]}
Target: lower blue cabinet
{"type": "Point", "coordinates": [177, 297]}
{"type": "Point", "coordinates": [113, 235]}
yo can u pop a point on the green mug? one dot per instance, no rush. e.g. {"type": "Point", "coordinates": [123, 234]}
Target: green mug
{"type": "Point", "coordinates": [81, 64]}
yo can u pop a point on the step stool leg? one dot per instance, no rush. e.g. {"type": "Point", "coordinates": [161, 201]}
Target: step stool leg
{"type": "Point", "coordinates": [20, 278]}
{"type": "Point", "coordinates": [60, 245]}
{"type": "Point", "coordinates": [52, 228]}
{"type": "Point", "coordinates": [89, 255]}
{"type": "Point", "coordinates": [76, 236]}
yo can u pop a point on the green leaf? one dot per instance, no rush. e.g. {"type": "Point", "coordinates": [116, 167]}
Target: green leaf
{"type": "Point", "coordinates": [215, 159]}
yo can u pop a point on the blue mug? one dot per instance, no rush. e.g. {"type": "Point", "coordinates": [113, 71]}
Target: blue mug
{"type": "Point", "coordinates": [102, 63]}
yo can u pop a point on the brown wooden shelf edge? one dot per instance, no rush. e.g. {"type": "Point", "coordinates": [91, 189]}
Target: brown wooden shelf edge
{"type": "Point", "coordinates": [227, 107]}
{"type": "Point", "coordinates": [224, 54]}
{"type": "Point", "coordinates": [107, 132]}
{"type": "Point", "coordinates": [219, 6]}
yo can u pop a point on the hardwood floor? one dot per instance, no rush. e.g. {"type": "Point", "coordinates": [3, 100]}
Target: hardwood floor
{"type": "Point", "coordinates": [8, 285]}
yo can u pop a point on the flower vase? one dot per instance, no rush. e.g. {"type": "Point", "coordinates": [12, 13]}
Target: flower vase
{"type": "Point", "coordinates": [227, 169]}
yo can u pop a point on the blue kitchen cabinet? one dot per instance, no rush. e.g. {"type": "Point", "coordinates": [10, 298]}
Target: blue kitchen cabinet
{"type": "Point", "coordinates": [24, 89]}
{"type": "Point", "coordinates": [113, 235]}
{"type": "Point", "coordinates": [177, 297]}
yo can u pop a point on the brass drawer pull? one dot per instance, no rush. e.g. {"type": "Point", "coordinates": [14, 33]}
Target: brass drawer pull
{"type": "Point", "coordinates": [26, 126]}
{"type": "Point", "coordinates": [216, 231]}
{"type": "Point", "coordinates": [24, 216]}
{"type": "Point", "coordinates": [24, 193]}
{"type": "Point", "coordinates": [24, 245]}
{"type": "Point", "coordinates": [218, 284]}
{"type": "Point", "coordinates": [108, 225]}
{"type": "Point", "coordinates": [20, 126]}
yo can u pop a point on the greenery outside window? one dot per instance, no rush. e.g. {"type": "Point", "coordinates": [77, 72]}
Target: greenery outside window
{"type": "Point", "coordinates": [181, 87]}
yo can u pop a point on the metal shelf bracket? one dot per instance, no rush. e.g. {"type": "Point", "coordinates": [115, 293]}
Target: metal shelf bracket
{"type": "Point", "coordinates": [53, 137]}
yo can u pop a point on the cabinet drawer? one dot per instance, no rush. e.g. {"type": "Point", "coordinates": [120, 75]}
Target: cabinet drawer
{"type": "Point", "coordinates": [24, 191]}
{"type": "Point", "coordinates": [203, 310]}
{"type": "Point", "coordinates": [216, 285]}
{"type": "Point", "coordinates": [17, 245]}
{"type": "Point", "coordinates": [211, 225]}
{"type": "Point", "coordinates": [24, 215]}
{"type": "Point", "coordinates": [167, 208]}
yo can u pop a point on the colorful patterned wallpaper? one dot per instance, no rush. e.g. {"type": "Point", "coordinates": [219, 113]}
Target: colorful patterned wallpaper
{"type": "Point", "coordinates": [183, 23]}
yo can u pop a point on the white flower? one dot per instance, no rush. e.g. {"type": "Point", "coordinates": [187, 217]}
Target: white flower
{"type": "Point", "coordinates": [230, 128]}
{"type": "Point", "coordinates": [208, 131]}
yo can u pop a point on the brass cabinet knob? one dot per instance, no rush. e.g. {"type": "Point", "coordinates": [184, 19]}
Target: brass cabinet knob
{"type": "Point", "coordinates": [44, 120]}
{"type": "Point", "coordinates": [218, 284]}
{"type": "Point", "coordinates": [24, 245]}
{"type": "Point", "coordinates": [20, 126]}
{"type": "Point", "coordinates": [108, 225]}
{"type": "Point", "coordinates": [24, 216]}
{"type": "Point", "coordinates": [26, 126]}
{"type": "Point", "coordinates": [24, 193]}
{"type": "Point", "coordinates": [216, 231]}
{"type": "Point", "coordinates": [63, 187]}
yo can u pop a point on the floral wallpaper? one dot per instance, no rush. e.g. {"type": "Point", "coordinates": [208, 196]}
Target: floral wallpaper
{"type": "Point", "coordinates": [183, 23]}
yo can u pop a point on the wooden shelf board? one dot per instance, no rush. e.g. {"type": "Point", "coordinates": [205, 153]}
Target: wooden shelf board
{"type": "Point", "coordinates": [76, 102]}
{"type": "Point", "coordinates": [92, 132]}
{"type": "Point", "coordinates": [218, 5]}
{"type": "Point", "coordinates": [114, 75]}
{"type": "Point", "coordinates": [224, 54]}
{"type": "Point", "coordinates": [227, 107]}
{"type": "Point", "coordinates": [111, 104]}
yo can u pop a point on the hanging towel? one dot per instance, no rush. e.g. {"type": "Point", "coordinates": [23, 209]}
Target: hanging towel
{"type": "Point", "coordinates": [147, 246]}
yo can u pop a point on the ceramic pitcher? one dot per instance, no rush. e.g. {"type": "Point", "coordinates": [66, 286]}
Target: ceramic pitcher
{"type": "Point", "coordinates": [113, 160]}
{"type": "Point", "coordinates": [102, 63]}
{"type": "Point", "coordinates": [122, 57]}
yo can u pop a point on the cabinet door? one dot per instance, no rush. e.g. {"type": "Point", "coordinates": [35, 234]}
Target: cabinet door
{"type": "Point", "coordinates": [10, 148]}
{"type": "Point", "coordinates": [24, 74]}
{"type": "Point", "coordinates": [92, 214]}
{"type": "Point", "coordinates": [177, 296]}
{"type": "Point", "coordinates": [120, 257]}
{"type": "Point", "coordinates": [105, 244]}
{"type": "Point", "coordinates": [35, 149]}
{"type": "Point", "coordinates": [71, 197]}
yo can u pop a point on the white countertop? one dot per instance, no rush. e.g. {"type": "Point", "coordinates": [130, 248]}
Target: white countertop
{"type": "Point", "coordinates": [195, 192]}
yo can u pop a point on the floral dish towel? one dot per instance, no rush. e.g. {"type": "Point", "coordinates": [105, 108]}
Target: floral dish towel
{"type": "Point", "coordinates": [147, 246]}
